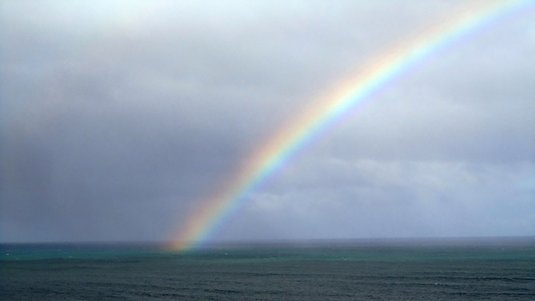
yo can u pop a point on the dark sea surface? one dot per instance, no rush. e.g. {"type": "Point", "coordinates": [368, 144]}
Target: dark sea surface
{"type": "Point", "coordinates": [326, 270]}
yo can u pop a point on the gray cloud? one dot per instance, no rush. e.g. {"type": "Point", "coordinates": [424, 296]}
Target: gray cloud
{"type": "Point", "coordinates": [392, 199]}
{"type": "Point", "coordinates": [116, 121]}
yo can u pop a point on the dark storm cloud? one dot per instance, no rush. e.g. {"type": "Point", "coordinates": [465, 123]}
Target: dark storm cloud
{"type": "Point", "coordinates": [117, 121]}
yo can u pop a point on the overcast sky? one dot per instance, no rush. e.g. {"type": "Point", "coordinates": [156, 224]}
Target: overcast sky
{"type": "Point", "coordinates": [118, 118]}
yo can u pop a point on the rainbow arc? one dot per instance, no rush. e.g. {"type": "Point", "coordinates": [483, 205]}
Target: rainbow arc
{"type": "Point", "coordinates": [294, 136]}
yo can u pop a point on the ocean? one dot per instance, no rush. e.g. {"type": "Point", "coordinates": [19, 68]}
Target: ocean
{"type": "Point", "coordinates": [478, 269]}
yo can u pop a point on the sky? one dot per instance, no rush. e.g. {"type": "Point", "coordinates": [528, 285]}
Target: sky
{"type": "Point", "coordinates": [119, 118]}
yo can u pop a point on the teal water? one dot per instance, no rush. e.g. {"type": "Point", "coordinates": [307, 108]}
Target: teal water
{"type": "Point", "coordinates": [319, 271]}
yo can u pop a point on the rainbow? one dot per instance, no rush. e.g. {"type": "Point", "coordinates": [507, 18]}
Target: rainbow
{"type": "Point", "coordinates": [295, 135]}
